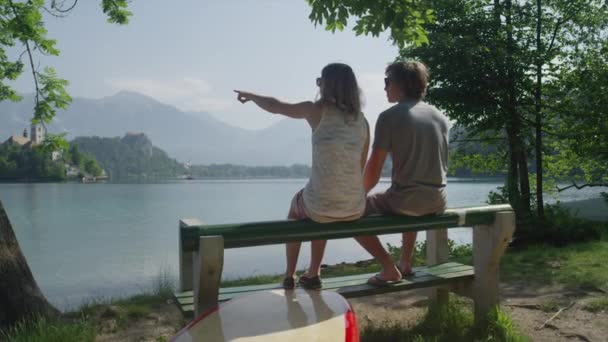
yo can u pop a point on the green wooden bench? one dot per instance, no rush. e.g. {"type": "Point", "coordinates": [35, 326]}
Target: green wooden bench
{"type": "Point", "coordinates": [201, 255]}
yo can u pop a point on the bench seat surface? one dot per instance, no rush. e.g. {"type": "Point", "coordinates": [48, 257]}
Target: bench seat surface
{"type": "Point", "coordinates": [352, 286]}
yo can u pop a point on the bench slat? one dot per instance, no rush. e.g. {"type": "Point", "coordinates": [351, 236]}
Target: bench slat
{"type": "Point", "coordinates": [355, 285]}
{"type": "Point", "coordinates": [415, 283]}
{"type": "Point", "coordinates": [437, 269]}
{"type": "Point", "coordinates": [276, 232]}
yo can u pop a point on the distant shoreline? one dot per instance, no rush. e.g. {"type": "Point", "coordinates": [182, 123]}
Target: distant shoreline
{"type": "Point", "coordinates": [153, 180]}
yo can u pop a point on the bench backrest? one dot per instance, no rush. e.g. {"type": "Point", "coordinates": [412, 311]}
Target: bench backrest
{"type": "Point", "coordinates": [276, 232]}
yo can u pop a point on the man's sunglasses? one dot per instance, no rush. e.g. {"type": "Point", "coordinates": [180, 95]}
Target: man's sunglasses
{"type": "Point", "coordinates": [387, 81]}
{"type": "Point", "coordinates": [318, 81]}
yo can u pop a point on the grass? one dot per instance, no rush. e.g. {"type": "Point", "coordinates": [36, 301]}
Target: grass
{"type": "Point", "coordinates": [138, 306]}
{"type": "Point", "coordinates": [453, 323]}
{"type": "Point", "coordinates": [44, 330]}
{"type": "Point", "coordinates": [580, 265]}
{"type": "Point", "coordinates": [597, 304]}
{"type": "Point", "coordinates": [81, 325]}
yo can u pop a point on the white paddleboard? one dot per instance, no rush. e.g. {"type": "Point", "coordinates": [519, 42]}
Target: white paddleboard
{"type": "Point", "coordinates": [276, 315]}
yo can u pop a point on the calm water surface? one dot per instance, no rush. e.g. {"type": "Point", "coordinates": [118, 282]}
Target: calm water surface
{"type": "Point", "coordinates": [101, 240]}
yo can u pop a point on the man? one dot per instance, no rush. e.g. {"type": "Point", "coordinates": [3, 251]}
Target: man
{"type": "Point", "coordinates": [416, 135]}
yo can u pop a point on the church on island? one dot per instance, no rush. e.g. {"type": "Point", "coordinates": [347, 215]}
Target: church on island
{"type": "Point", "coordinates": [36, 137]}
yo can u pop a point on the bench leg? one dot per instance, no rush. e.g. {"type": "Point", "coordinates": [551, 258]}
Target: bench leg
{"type": "Point", "coordinates": [208, 264]}
{"type": "Point", "coordinates": [437, 252]}
{"type": "Point", "coordinates": [489, 244]}
{"type": "Point", "coordinates": [185, 258]}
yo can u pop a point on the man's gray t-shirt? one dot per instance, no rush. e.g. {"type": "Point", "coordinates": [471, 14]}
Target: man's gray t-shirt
{"type": "Point", "coordinates": [416, 135]}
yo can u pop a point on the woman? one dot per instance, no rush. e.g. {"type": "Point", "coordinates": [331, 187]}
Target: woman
{"type": "Point", "coordinates": [340, 140]}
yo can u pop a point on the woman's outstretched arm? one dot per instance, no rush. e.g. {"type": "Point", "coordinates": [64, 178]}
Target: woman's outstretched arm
{"type": "Point", "coordinates": [301, 110]}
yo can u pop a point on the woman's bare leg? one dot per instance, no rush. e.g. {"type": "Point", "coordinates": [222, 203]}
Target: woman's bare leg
{"type": "Point", "coordinates": [317, 250]}
{"type": "Point", "coordinates": [292, 251]}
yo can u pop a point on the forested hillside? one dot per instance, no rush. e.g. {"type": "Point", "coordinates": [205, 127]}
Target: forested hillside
{"type": "Point", "coordinates": [132, 156]}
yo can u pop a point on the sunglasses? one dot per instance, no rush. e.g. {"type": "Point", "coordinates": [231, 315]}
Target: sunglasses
{"type": "Point", "coordinates": [387, 81]}
{"type": "Point", "coordinates": [318, 81]}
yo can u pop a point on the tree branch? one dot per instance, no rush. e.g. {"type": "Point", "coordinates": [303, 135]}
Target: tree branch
{"type": "Point", "coordinates": [31, 58]}
{"type": "Point", "coordinates": [559, 135]}
{"type": "Point", "coordinates": [21, 55]}
{"type": "Point", "coordinates": [476, 140]}
{"type": "Point", "coordinates": [53, 13]}
{"type": "Point", "coordinates": [578, 187]}
{"type": "Point", "coordinates": [563, 20]}
{"type": "Point", "coordinates": [58, 11]}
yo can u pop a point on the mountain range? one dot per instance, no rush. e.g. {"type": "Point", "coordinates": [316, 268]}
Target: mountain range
{"type": "Point", "coordinates": [198, 138]}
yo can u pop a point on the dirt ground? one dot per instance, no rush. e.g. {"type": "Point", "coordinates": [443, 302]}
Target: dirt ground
{"type": "Point", "coordinates": [162, 323]}
{"type": "Point", "coordinates": [529, 308]}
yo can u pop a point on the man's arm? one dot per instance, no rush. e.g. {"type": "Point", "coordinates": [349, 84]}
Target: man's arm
{"type": "Point", "coordinates": [365, 147]}
{"type": "Point", "coordinates": [373, 168]}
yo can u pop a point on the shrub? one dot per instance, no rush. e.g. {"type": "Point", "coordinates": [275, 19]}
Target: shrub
{"type": "Point", "coordinates": [500, 196]}
{"type": "Point", "coordinates": [559, 227]}
{"type": "Point", "coordinates": [456, 251]}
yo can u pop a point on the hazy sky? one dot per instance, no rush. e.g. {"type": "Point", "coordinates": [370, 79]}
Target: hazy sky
{"type": "Point", "coordinates": [193, 53]}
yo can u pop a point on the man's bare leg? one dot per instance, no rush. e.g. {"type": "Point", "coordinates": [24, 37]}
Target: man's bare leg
{"type": "Point", "coordinates": [407, 252]}
{"type": "Point", "coordinates": [373, 246]}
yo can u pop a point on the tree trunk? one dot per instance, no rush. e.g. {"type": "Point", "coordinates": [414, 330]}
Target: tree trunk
{"type": "Point", "coordinates": [513, 174]}
{"type": "Point", "coordinates": [540, 210]}
{"type": "Point", "coordinates": [518, 182]}
{"type": "Point", "coordinates": [20, 297]}
{"type": "Point", "coordinates": [524, 181]}
{"type": "Point", "coordinates": [512, 125]}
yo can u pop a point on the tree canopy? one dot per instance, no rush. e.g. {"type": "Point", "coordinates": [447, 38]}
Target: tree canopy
{"type": "Point", "coordinates": [527, 79]}
{"type": "Point", "coordinates": [22, 26]}
{"type": "Point", "coordinates": [404, 19]}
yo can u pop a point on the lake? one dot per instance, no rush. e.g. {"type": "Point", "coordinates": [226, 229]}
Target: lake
{"type": "Point", "coordinates": [85, 241]}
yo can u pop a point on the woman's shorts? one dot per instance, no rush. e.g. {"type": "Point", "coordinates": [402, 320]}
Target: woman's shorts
{"type": "Point", "coordinates": [297, 210]}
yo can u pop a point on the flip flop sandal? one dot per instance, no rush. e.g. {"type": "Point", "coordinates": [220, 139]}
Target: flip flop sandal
{"type": "Point", "coordinates": [407, 275]}
{"type": "Point", "coordinates": [403, 274]}
{"type": "Point", "coordinates": [379, 282]}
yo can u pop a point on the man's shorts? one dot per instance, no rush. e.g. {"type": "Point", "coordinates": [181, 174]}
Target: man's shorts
{"type": "Point", "coordinates": [412, 205]}
{"type": "Point", "coordinates": [377, 204]}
